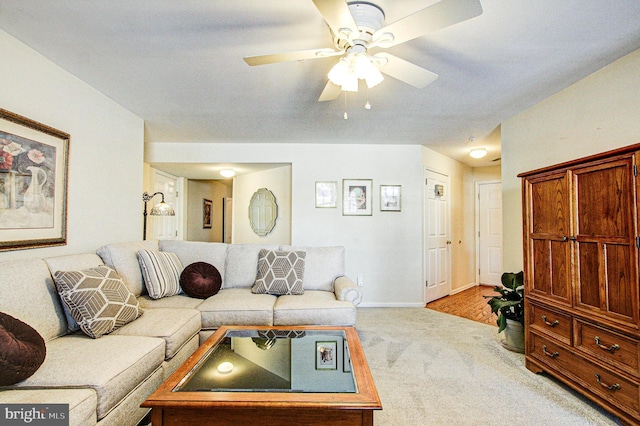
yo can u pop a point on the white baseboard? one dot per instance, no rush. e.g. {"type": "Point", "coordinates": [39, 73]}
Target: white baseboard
{"type": "Point", "coordinates": [463, 288]}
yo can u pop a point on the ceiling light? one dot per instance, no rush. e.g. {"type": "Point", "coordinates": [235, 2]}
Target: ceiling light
{"type": "Point", "coordinates": [352, 68]}
{"type": "Point", "coordinates": [228, 173]}
{"type": "Point", "coordinates": [478, 152]}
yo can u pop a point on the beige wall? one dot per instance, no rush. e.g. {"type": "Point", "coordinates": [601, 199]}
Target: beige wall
{"type": "Point", "coordinates": [599, 113]}
{"type": "Point", "coordinates": [105, 155]}
{"type": "Point", "coordinates": [278, 181]}
{"type": "Point", "coordinates": [196, 192]}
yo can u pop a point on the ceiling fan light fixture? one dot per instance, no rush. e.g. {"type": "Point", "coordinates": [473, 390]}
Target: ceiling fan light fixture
{"type": "Point", "coordinates": [367, 71]}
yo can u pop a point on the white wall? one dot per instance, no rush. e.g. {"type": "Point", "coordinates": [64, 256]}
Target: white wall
{"type": "Point", "coordinates": [596, 114]}
{"type": "Point", "coordinates": [106, 148]}
{"type": "Point", "coordinates": [385, 247]}
{"type": "Point", "coordinates": [278, 181]}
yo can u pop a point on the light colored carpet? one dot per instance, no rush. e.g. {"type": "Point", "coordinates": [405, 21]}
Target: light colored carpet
{"type": "Point", "coordinates": [432, 368]}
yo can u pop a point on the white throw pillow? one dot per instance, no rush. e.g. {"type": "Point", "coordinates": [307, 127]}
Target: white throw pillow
{"type": "Point", "coordinates": [161, 271]}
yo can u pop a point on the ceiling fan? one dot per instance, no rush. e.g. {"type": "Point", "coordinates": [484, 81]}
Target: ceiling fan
{"type": "Point", "coordinates": [357, 27]}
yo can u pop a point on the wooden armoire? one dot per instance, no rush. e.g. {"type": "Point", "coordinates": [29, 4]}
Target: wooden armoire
{"type": "Point", "coordinates": [581, 245]}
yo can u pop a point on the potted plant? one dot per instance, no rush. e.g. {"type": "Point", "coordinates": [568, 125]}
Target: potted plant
{"type": "Point", "coordinates": [509, 306]}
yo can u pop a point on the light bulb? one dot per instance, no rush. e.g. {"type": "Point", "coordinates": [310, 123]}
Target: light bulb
{"type": "Point", "coordinates": [346, 116]}
{"type": "Point", "coordinates": [367, 105]}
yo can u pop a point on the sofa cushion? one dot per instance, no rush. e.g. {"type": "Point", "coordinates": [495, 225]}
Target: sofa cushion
{"type": "Point", "coordinates": [161, 272]}
{"type": "Point", "coordinates": [313, 308]}
{"type": "Point", "coordinates": [241, 266]}
{"type": "Point", "coordinates": [197, 251]}
{"type": "Point", "coordinates": [125, 362]}
{"type": "Point", "coordinates": [72, 262]}
{"type": "Point", "coordinates": [28, 292]}
{"type": "Point", "coordinates": [22, 350]}
{"type": "Point", "coordinates": [237, 306]}
{"type": "Point", "coordinates": [175, 326]}
{"type": "Point", "coordinates": [200, 280]}
{"type": "Point", "coordinates": [97, 299]}
{"type": "Point", "coordinates": [322, 266]}
{"type": "Point", "coordinates": [177, 301]}
{"type": "Point", "coordinates": [279, 272]}
{"type": "Point", "coordinates": [123, 257]}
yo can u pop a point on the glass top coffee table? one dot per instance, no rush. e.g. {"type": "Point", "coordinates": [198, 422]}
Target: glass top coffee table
{"type": "Point", "coordinates": [278, 375]}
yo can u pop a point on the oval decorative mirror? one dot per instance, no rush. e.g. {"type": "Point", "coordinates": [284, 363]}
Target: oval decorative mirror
{"type": "Point", "coordinates": [263, 212]}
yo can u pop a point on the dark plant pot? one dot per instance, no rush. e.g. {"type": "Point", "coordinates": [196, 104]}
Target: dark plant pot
{"type": "Point", "coordinates": [514, 336]}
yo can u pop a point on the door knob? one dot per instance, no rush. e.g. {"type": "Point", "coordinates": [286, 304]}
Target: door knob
{"type": "Point", "coordinates": [448, 242]}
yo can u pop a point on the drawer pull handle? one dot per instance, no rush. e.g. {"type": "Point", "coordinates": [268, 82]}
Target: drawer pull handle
{"type": "Point", "coordinates": [549, 354]}
{"type": "Point", "coordinates": [611, 348]}
{"type": "Point", "coordinates": [613, 387]}
{"type": "Point", "coordinates": [550, 324]}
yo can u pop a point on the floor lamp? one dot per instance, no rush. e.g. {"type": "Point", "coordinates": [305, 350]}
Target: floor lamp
{"type": "Point", "coordinates": [160, 209]}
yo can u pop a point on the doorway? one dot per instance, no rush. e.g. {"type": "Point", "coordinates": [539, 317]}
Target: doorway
{"type": "Point", "coordinates": [437, 236]}
{"type": "Point", "coordinates": [489, 226]}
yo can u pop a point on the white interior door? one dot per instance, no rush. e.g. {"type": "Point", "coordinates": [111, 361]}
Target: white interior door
{"type": "Point", "coordinates": [489, 233]}
{"type": "Point", "coordinates": [164, 227]}
{"type": "Point", "coordinates": [437, 237]}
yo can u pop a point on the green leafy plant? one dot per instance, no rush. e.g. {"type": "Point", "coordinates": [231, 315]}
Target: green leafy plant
{"type": "Point", "coordinates": [510, 302]}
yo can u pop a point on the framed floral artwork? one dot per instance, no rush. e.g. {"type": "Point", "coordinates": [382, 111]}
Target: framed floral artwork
{"type": "Point", "coordinates": [357, 197]}
{"type": "Point", "coordinates": [33, 183]}
{"type": "Point", "coordinates": [390, 198]}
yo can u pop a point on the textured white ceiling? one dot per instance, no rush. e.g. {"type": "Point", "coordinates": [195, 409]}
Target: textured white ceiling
{"type": "Point", "coordinates": [178, 65]}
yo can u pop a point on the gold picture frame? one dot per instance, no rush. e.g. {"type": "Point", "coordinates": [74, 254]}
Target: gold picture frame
{"type": "Point", "coordinates": [34, 167]}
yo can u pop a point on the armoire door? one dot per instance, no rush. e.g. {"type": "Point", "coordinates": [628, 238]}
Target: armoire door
{"type": "Point", "coordinates": [605, 239]}
{"type": "Point", "coordinates": [548, 215]}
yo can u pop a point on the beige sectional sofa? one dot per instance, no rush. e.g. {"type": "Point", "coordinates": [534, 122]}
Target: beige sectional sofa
{"type": "Point", "coordinates": [105, 380]}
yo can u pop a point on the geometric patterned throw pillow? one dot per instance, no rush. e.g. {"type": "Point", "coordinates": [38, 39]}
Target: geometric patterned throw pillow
{"type": "Point", "coordinates": [97, 299]}
{"type": "Point", "coordinates": [161, 271]}
{"type": "Point", "coordinates": [280, 272]}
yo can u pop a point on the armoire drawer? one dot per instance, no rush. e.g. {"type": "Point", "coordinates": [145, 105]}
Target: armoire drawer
{"type": "Point", "coordinates": [613, 387]}
{"type": "Point", "coordinates": [550, 322]}
{"type": "Point", "coordinates": [613, 348]}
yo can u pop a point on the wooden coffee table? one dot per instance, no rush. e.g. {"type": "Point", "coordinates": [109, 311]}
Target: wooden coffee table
{"type": "Point", "coordinates": [308, 375]}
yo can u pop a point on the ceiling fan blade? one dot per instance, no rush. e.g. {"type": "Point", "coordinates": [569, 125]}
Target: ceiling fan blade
{"type": "Point", "coordinates": [331, 91]}
{"type": "Point", "coordinates": [299, 55]}
{"type": "Point", "coordinates": [406, 71]}
{"type": "Point", "coordinates": [337, 15]}
{"type": "Point", "coordinates": [427, 20]}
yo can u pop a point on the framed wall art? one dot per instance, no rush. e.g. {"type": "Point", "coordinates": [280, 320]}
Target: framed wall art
{"type": "Point", "coordinates": [33, 183]}
{"type": "Point", "coordinates": [357, 197]}
{"type": "Point", "coordinates": [326, 356]}
{"type": "Point", "coordinates": [390, 198]}
{"type": "Point", "coordinates": [207, 207]}
{"type": "Point", "coordinates": [326, 194]}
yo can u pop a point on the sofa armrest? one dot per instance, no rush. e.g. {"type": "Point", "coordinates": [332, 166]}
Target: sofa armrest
{"type": "Point", "coordinates": [346, 289]}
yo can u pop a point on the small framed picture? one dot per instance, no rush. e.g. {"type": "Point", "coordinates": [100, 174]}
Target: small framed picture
{"type": "Point", "coordinates": [390, 198]}
{"type": "Point", "coordinates": [357, 197]}
{"type": "Point", "coordinates": [326, 194]}
{"type": "Point", "coordinates": [207, 206]}
{"type": "Point", "coordinates": [326, 356]}
{"type": "Point", "coordinates": [346, 359]}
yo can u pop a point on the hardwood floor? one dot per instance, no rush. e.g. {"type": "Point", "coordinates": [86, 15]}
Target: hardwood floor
{"type": "Point", "coordinates": [469, 304]}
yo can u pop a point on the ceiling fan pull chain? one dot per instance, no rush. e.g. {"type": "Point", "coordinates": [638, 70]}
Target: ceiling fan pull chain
{"type": "Point", "coordinates": [346, 116]}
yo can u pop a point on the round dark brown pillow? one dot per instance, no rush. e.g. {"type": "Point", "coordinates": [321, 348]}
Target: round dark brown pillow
{"type": "Point", "coordinates": [22, 350]}
{"type": "Point", "coordinates": [200, 280]}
